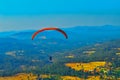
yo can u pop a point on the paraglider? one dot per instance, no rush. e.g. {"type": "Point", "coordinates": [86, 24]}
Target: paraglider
{"type": "Point", "coordinates": [50, 28]}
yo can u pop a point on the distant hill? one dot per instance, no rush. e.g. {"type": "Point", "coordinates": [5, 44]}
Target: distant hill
{"type": "Point", "coordinates": [77, 36]}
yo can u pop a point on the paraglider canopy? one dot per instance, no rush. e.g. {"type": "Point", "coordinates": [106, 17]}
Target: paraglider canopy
{"type": "Point", "coordinates": [50, 28]}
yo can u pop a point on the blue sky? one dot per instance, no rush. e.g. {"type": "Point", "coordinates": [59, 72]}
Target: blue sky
{"type": "Point", "coordinates": [34, 14]}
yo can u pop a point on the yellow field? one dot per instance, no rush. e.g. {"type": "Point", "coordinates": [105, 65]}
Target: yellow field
{"type": "Point", "coordinates": [44, 76]}
{"type": "Point", "coordinates": [89, 52]}
{"type": "Point", "coordinates": [70, 78]}
{"type": "Point", "coordinates": [77, 78]}
{"type": "Point", "coordinates": [118, 53]}
{"type": "Point", "coordinates": [118, 48]}
{"type": "Point", "coordinates": [21, 76]}
{"type": "Point", "coordinates": [85, 66]}
{"type": "Point", "coordinates": [93, 78]}
{"type": "Point", "coordinates": [70, 56]}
